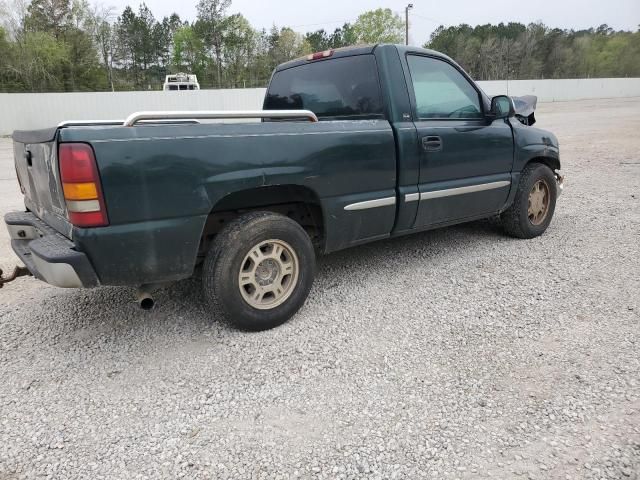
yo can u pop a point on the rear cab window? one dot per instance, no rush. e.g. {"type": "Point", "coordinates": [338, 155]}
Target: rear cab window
{"type": "Point", "coordinates": [335, 89]}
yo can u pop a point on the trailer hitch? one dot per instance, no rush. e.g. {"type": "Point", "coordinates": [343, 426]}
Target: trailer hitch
{"type": "Point", "coordinates": [17, 272]}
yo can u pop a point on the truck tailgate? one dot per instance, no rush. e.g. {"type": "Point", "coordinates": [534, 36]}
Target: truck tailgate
{"type": "Point", "coordinates": [36, 161]}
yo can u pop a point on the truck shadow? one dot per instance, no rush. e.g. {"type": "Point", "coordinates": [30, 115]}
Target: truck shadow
{"type": "Point", "coordinates": [432, 243]}
{"type": "Point", "coordinates": [111, 313]}
{"type": "Point", "coordinates": [358, 261]}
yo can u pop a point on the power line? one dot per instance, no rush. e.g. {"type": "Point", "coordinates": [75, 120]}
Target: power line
{"type": "Point", "coordinates": [434, 20]}
{"type": "Point", "coordinates": [323, 23]}
{"type": "Point", "coordinates": [348, 20]}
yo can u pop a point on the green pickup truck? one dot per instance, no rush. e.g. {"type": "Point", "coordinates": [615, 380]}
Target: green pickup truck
{"type": "Point", "coordinates": [352, 145]}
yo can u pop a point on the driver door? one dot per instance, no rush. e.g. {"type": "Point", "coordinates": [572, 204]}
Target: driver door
{"type": "Point", "coordinates": [466, 161]}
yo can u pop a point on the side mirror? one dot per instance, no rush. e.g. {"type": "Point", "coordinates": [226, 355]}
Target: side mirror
{"type": "Point", "coordinates": [502, 106]}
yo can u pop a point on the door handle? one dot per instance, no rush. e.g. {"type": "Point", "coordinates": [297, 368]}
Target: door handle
{"type": "Point", "coordinates": [432, 143]}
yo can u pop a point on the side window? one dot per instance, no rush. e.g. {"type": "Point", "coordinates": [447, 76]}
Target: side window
{"type": "Point", "coordinates": [332, 89]}
{"type": "Point", "coordinates": [441, 91]}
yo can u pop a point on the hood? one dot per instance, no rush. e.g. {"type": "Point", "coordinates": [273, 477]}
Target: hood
{"type": "Point", "coordinates": [525, 107]}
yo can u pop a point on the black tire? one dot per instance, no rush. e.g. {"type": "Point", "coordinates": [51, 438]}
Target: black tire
{"type": "Point", "coordinates": [515, 220]}
{"type": "Point", "coordinates": [220, 272]}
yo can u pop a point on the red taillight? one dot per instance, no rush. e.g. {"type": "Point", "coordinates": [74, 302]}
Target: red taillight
{"type": "Point", "coordinates": [320, 55]}
{"type": "Point", "coordinates": [81, 185]}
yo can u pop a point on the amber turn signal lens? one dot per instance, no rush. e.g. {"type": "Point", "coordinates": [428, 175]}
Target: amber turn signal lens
{"type": "Point", "coordinates": [80, 191]}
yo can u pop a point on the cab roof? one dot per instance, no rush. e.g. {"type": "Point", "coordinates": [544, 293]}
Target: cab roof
{"type": "Point", "coordinates": [360, 50]}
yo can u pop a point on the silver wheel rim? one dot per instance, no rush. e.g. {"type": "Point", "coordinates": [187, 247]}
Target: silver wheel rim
{"type": "Point", "coordinates": [539, 200]}
{"type": "Point", "coordinates": [268, 274]}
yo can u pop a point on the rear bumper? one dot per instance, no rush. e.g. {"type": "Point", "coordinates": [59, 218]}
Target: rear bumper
{"type": "Point", "coordinates": [48, 255]}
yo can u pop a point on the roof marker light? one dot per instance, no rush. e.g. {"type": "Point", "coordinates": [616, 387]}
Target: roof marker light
{"type": "Point", "coordinates": [320, 55]}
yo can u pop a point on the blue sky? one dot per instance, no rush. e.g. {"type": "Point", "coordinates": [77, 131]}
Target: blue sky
{"type": "Point", "coordinates": [425, 17]}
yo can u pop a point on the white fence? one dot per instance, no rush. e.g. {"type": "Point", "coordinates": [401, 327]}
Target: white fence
{"type": "Point", "coordinates": [563, 90]}
{"type": "Point", "coordinates": [23, 111]}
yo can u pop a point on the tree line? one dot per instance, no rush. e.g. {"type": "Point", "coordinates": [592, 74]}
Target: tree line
{"type": "Point", "coordinates": [72, 45]}
{"type": "Point", "coordinates": [517, 51]}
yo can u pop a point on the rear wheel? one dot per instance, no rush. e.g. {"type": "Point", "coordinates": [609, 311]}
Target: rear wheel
{"type": "Point", "coordinates": [259, 270]}
{"type": "Point", "coordinates": [534, 204]}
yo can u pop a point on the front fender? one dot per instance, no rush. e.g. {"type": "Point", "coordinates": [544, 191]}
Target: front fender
{"type": "Point", "coordinates": [534, 143]}
{"type": "Point", "coordinates": [548, 153]}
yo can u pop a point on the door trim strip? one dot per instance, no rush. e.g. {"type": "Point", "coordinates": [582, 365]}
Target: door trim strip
{"type": "Point", "coordinates": [378, 202]}
{"type": "Point", "coordinates": [462, 190]}
{"type": "Point", "coordinates": [411, 197]}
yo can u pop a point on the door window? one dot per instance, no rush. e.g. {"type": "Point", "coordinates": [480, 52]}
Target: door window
{"type": "Point", "coordinates": [441, 91]}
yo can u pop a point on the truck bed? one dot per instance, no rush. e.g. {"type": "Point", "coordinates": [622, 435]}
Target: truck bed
{"type": "Point", "coordinates": [161, 182]}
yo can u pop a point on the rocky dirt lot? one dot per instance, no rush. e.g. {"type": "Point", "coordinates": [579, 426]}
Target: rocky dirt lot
{"type": "Point", "coordinates": [454, 354]}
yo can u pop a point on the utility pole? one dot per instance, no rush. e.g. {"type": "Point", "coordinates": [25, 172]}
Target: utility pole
{"type": "Point", "coordinates": [406, 23]}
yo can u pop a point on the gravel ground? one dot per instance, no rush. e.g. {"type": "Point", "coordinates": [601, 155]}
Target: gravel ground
{"type": "Point", "coordinates": [458, 353]}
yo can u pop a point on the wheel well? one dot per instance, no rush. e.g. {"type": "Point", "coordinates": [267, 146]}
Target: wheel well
{"type": "Point", "coordinates": [296, 202]}
{"type": "Point", "coordinates": [552, 163]}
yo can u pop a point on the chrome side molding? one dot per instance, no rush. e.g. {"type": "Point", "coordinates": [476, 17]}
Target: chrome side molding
{"type": "Point", "coordinates": [378, 202]}
{"type": "Point", "coordinates": [412, 197]}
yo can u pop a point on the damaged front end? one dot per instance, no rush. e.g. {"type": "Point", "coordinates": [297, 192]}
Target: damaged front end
{"type": "Point", "coordinates": [525, 107]}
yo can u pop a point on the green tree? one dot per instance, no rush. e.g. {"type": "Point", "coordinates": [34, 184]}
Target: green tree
{"type": "Point", "coordinates": [517, 51]}
{"type": "Point", "coordinates": [188, 52]}
{"type": "Point", "coordinates": [147, 35]}
{"type": "Point", "coordinates": [49, 16]}
{"type": "Point", "coordinates": [163, 33]}
{"type": "Point", "coordinates": [51, 45]}
{"type": "Point", "coordinates": [318, 40]}
{"type": "Point", "coordinates": [262, 64]}
{"type": "Point", "coordinates": [239, 49]}
{"type": "Point", "coordinates": [128, 45]}
{"type": "Point", "coordinates": [379, 26]}
{"type": "Point", "coordinates": [103, 34]}
{"type": "Point", "coordinates": [286, 44]}
{"type": "Point", "coordinates": [343, 36]}
{"type": "Point", "coordinates": [7, 75]}
{"type": "Point", "coordinates": [83, 70]}
{"type": "Point", "coordinates": [67, 22]}
{"type": "Point", "coordinates": [40, 61]}
{"type": "Point", "coordinates": [210, 27]}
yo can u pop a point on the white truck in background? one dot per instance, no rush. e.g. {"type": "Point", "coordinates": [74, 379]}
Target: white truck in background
{"type": "Point", "coordinates": [181, 81]}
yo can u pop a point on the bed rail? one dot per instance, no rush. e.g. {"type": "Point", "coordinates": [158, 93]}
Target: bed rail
{"type": "Point", "coordinates": [214, 114]}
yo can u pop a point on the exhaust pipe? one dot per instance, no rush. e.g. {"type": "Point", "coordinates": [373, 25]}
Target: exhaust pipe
{"type": "Point", "coordinates": [145, 300]}
{"type": "Point", "coordinates": [144, 295]}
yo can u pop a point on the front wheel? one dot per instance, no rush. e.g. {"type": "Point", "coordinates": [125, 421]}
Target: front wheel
{"type": "Point", "coordinates": [534, 203]}
{"type": "Point", "coordinates": [259, 270]}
